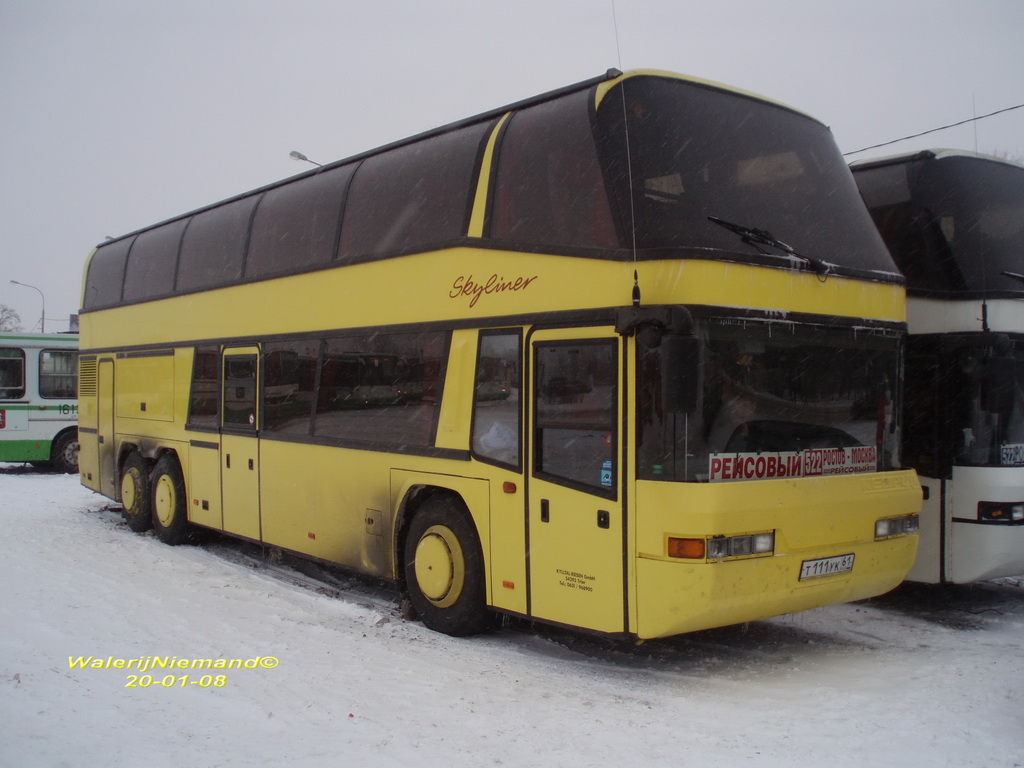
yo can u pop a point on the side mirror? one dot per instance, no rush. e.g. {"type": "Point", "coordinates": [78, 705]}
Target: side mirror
{"type": "Point", "coordinates": [680, 373]}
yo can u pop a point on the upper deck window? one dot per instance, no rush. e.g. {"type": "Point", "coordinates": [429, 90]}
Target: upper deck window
{"type": "Point", "coordinates": [296, 225]}
{"type": "Point", "coordinates": [105, 279]}
{"type": "Point", "coordinates": [697, 151]}
{"type": "Point", "coordinates": [550, 189]}
{"type": "Point", "coordinates": [412, 197]}
{"type": "Point", "coordinates": [152, 262]}
{"type": "Point", "coordinates": [214, 245]}
{"type": "Point", "coordinates": [953, 225]}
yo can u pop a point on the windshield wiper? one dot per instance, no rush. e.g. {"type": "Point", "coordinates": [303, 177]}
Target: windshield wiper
{"type": "Point", "coordinates": [758, 237]}
{"type": "Point", "coordinates": [1014, 275]}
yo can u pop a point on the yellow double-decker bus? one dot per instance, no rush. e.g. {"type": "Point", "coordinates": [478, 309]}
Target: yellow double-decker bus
{"type": "Point", "coordinates": [623, 357]}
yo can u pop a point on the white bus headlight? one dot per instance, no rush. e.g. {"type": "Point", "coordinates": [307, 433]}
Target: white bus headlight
{"type": "Point", "coordinates": [1001, 511]}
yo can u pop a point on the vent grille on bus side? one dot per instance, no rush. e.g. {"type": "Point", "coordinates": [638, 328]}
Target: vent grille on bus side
{"type": "Point", "coordinates": [87, 378]}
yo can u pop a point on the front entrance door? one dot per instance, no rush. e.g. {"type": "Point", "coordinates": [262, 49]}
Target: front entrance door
{"type": "Point", "coordinates": [239, 447]}
{"type": "Point", "coordinates": [576, 526]}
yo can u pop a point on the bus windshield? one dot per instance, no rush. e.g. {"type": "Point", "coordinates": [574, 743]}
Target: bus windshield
{"type": "Point", "coordinates": [988, 429]}
{"type": "Point", "coordinates": [696, 153]}
{"type": "Point", "coordinates": [955, 224]}
{"type": "Point", "coordinates": [777, 400]}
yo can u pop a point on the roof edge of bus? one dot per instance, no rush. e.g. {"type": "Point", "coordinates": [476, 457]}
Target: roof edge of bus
{"type": "Point", "coordinates": [27, 336]}
{"type": "Point", "coordinates": [608, 84]}
{"type": "Point", "coordinates": [491, 114]}
{"type": "Point", "coordinates": [928, 154]}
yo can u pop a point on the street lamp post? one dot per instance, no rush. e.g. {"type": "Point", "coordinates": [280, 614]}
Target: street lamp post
{"type": "Point", "coordinates": [42, 318]}
{"type": "Point", "coordinates": [295, 155]}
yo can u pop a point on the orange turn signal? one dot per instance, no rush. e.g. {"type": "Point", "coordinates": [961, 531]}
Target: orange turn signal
{"type": "Point", "coordinates": [692, 549]}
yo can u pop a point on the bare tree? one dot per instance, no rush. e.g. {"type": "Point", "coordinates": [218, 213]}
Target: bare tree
{"type": "Point", "coordinates": [9, 319]}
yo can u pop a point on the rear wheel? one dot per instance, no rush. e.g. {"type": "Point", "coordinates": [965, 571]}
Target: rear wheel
{"type": "Point", "coordinates": [170, 520]}
{"type": "Point", "coordinates": [444, 569]}
{"type": "Point", "coordinates": [136, 497]}
{"type": "Point", "coordinates": [64, 453]}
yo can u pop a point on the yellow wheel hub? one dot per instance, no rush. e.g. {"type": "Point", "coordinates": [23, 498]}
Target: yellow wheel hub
{"type": "Point", "coordinates": [165, 500]}
{"type": "Point", "coordinates": [129, 488]}
{"type": "Point", "coordinates": [440, 567]}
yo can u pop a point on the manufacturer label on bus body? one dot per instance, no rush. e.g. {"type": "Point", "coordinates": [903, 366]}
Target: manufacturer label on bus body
{"type": "Point", "coordinates": [813, 462]}
{"type": "Point", "coordinates": [826, 566]}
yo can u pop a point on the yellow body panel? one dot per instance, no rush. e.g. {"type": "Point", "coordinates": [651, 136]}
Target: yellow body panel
{"type": "Point", "coordinates": [473, 284]}
{"type": "Point", "coordinates": [812, 518]}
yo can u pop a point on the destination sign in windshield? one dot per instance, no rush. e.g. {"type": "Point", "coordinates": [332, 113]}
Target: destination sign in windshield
{"type": "Point", "coordinates": [812, 462]}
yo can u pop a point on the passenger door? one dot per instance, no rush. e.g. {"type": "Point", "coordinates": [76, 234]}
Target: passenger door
{"type": "Point", "coordinates": [239, 447]}
{"type": "Point", "coordinates": [576, 527]}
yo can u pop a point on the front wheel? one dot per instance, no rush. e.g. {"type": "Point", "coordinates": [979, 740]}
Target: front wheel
{"type": "Point", "coordinates": [444, 569]}
{"type": "Point", "coordinates": [170, 520]}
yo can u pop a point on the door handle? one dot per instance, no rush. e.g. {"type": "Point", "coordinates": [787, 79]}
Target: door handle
{"type": "Point", "coordinates": [545, 511]}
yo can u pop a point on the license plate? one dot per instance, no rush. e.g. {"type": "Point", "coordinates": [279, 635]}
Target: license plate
{"type": "Point", "coordinates": [826, 566]}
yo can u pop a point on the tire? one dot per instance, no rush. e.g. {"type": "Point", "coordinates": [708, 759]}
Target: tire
{"type": "Point", "coordinates": [444, 569]}
{"type": "Point", "coordinates": [136, 494]}
{"type": "Point", "coordinates": [64, 453]}
{"type": "Point", "coordinates": [170, 518]}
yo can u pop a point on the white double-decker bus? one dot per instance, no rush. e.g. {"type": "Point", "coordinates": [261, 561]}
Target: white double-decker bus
{"type": "Point", "coordinates": [954, 223]}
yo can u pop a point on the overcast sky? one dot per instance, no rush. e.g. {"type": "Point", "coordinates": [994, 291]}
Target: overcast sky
{"type": "Point", "coordinates": [116, 114]}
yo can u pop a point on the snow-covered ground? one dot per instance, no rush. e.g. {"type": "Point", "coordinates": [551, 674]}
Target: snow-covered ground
{"type": "Point", "coordinates": [926, 677]}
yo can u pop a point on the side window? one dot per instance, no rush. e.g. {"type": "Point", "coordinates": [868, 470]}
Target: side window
{"type": "Point", "coordinates": [105, 279]}
{"type": "Point", "coordinates": [152, 262]}
{"type": "Point", "coordinates": [550, 188]}
{"type": "Point", "coordinates": [381, 388]}
{"type": "Point", "coordinates": [575, 414]}
{"type": "Point", "coordinates": [58, 373]}
{"type": "Point", "coordinates": [203, 412]}
{"type": "Point", "coordinates": [413, 196]}
{"type": "Point", "coordinates": [213, 246]}
{"type": "Point", "coordinates": [497, 412]}
{"type": "Point", "coordinates": [289, 381]}
{"type": "Point", "coordinates": [296, 225]}
{"type": "Point", "coordinates": [12, 373]}
{"type": "Point", "coordinates": [240, 392]}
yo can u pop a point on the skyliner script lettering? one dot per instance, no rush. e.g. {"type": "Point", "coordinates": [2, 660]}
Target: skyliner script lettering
{"type": "Point", "coordinates": [465, 285]}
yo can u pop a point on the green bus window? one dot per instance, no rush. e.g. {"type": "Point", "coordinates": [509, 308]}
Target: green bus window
{"type": "Point", "coordinates": [575, 395]}
{"type": "Point", "coordinates": [58, 373]}
{"type": "Point", "coordinates": [289, 381]}
{"type": "Point", "coordinates": [12, 374]}
{"type": "Point", "coordinates": [381, 388]}
{"type": "Point", "coordinates": [203, 400]}
{"type": "Point", "coordinates": [496, 404]}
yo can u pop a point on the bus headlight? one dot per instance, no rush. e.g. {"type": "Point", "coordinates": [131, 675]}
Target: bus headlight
{"type": "Point", "coordinates": [720, 547]}
{"type": "Point", "coordinates": [896, 526]}
{"type": "Point", "coordinates": [1001, 511]}
{"type": "Point", "coordinates": [741, 546]}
